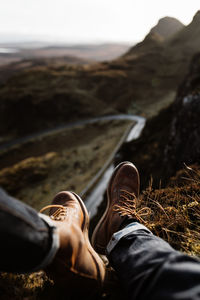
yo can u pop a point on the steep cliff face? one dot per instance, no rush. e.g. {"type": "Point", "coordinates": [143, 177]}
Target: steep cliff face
{"type": "Point", "coordinates": [173, 137]}
{"type": "Point", "coordinates": [184, 138]}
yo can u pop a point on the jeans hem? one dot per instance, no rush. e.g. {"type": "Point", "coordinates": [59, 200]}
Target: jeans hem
{"type": "Point", "coordinates": [120, 234]}
{"type": "Point", "coordinates": [53, 232]}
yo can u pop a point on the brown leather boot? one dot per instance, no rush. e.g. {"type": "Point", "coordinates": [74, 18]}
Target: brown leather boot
{"type": "Point", "coordinates": [122, 192]}
{"type": "Point", "coordinates": [76, 267]}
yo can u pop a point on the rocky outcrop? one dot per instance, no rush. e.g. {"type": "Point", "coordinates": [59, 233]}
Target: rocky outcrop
{"type": "Point", "coordinates": [184, 138]}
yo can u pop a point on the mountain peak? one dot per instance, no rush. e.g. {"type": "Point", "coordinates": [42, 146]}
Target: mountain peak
{"type": "Point", "coordinates": [197, 16]}
{"type": "Point", "coordinates": [164, 29]}
{"type": "Point", "coordinates": [167, 27]}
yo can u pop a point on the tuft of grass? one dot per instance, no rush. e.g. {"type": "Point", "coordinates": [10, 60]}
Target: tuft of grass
{"type": "Point", "coordinates": [23, 286]}
{"type": "Point", "coordinates": [174, 211]}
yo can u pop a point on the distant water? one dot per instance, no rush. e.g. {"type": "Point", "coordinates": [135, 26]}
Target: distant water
{"type": "Point", "coordinates": [8, 50]}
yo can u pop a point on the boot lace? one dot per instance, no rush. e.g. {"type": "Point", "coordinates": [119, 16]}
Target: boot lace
{"type": "Point", "coordinates": [58, 215]}
{"type": "Point", "coordinates": [127, 207]}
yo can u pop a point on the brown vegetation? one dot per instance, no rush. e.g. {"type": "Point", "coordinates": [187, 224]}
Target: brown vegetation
{"type": "Point", "coordinates": [175, 210]}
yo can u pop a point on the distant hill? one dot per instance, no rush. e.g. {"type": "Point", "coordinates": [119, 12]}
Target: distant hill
{"type": "Point", "coordinates": [89, 52]}
{"type": "Point", "coordinates": [142, 81]}
{"type": "Point", "coordinates": [18, 66]}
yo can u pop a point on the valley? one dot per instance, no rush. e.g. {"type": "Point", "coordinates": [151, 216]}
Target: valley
{"type": "Point", "coordinates": [159, 79]}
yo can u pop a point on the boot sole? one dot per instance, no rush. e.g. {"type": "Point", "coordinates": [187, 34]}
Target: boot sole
{"type": "Point", "coordinates": [85, 224]}
{"type": "Point", "coordinates": [85, 228]}
{"type": "Point", "coordinates": [98, 248]}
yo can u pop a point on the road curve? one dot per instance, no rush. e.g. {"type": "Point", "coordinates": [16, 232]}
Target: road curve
{"type": "Point", "coordinates": [57, 129]}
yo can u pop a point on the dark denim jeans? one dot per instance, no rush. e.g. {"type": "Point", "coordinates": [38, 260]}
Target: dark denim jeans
{"type": "Point", "coordinates": [26, 238]}
{"type": "Point", "coordinates": [150, 268]}
{"type": "Point", "coordinates": [147, 266]}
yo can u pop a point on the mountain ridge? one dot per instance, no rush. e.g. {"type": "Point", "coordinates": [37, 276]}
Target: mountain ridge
{"type": "Point", "coordinates": [141, 82]}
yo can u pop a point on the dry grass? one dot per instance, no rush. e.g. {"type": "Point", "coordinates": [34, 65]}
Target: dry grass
{"type": "Point", "coordinates": [174, 212]}
{"type": "Point", "coordinates": [15, 287]}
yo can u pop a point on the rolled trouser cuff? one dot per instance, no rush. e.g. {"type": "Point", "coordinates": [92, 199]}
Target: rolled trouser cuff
{"type": "Point", "coordinates": [120, 234]}
{"type": "Point", "coordinates": [55, 244]}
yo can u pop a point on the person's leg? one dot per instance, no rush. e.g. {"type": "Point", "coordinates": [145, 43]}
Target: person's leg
{"type": "Point", "coordinates": [150, 268]}
{"type": "Point", "coordinates": [58, 243]}
{"type": "Point", "coordinates": [147, 266]}
{"type": "Point", "coordinates": [29, 240]}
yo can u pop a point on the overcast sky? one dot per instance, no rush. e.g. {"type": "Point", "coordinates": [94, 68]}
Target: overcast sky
{"type": "Point", "coordinates": [89, 20]}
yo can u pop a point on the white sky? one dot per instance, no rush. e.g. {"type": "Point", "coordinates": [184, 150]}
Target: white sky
{"type": "Point", "coordinates": [89, 20]}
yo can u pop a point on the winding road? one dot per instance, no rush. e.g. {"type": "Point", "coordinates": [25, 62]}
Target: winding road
{"type": "Point", "coordinates": [19, 141]}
